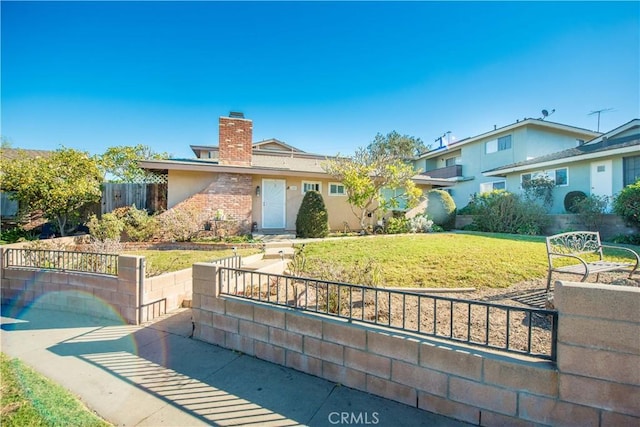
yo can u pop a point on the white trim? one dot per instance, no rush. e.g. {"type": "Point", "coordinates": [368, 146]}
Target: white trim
{"type": "Point", "coordinates": [548, 173]}
{"type": "Point", "coordinates": [493, 182]}
{"type": "Point", "coordinates": [316, 183]}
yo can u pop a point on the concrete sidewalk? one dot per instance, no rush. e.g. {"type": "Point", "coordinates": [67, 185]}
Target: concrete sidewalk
{"type": "Point", "coordinates": [155, 375]}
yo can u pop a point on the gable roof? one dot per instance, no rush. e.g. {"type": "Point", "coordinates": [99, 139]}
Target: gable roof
{"type": "Point", "coordinates": [623, 139]}
{"type": "Point", "coordinates": [551, 126]}
{"type": "Point", "coordinates": [269, 145]}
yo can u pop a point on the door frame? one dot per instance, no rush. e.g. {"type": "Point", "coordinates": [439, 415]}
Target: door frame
{"type": "Point", "coordinates": [265, 195]}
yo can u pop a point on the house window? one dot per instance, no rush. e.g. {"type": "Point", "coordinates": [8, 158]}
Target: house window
{"type": "Point", "coordinates": [311, 186]}
{"type": "Point", "coordinates": [452, 161]}
{"type": "Point", "coordinates": [630, 170]}
{"type": "Point", "coordinates": [397, 194]}
{"type": "Point", "coordinates": [500, 144]}
{"type": "Point", "coordinates": [486, 187]}
{"type": "Point", "coordinates": [560, 176]}
{"type": "Point", "coordinates": [336, 189]}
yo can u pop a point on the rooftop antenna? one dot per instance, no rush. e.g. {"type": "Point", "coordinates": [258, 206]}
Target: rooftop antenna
{"type": "Point", "coordinates": [598, 112]}
{"type": "Point", "coordinates": [546, 113]}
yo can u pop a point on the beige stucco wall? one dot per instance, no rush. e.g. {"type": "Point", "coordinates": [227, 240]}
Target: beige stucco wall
{"type": "Point", "coordinates": [183, 185]}
{"type": "Point", "coordinates": [338, 208]}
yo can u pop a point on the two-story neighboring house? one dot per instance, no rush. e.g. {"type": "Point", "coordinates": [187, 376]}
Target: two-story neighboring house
{"type": "Point", "coordinates": [601, 166]}
{"type": "Point", "coordinates": [464, 162]}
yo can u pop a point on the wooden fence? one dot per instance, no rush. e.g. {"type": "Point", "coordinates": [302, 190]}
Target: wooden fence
{"type": "Point", "coordinates": [152, 197]}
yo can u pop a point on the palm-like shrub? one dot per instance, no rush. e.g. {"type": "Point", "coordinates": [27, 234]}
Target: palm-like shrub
{"type": "Point", "coordinates": [441, 209]}
{"type": "Point", "coordinates": [312, 219]}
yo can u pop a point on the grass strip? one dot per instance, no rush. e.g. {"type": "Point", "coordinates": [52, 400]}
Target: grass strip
{"type": "Point", "coordinates": [30, 399]}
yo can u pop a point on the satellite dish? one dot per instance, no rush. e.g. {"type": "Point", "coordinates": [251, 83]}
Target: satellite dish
{"type": "Point", "coordinates": [545, 113]}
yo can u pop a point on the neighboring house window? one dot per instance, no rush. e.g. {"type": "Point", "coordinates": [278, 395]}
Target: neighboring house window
{"type": "Point", "coordinates": [452, 161]}
{"type": "Point", "coordinates": [500, 144]}
{"type": "Point", "coordinates": [630, 170]}
{"type": "Point", "coordinates": [486, 187]}
{"type": "Point", "coordinates": [336, 189]}
{"type": "Point", "coordinates": [397, 194]}
{"type": "Point", "coordinates": [310, 186]}
{"type": "Point", "coordinates": [559, 176]}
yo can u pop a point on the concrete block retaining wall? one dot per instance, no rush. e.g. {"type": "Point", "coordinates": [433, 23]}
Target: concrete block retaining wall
{"type": "Point", "coordinates": [129, 295]}
{"type": "Point", "coordinates": [474, 385]}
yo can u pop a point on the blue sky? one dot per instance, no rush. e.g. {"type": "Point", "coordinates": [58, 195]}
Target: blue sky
{"type": "Point", "coordinates": [322, 76]}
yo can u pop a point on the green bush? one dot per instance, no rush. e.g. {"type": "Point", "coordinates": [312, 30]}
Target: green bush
{"type": "Point", "coordinates": [591, 209]}
{"type": "Point", "coordinates": [139, 225]}
{"type": "Point", "coordinates": [397, 225]}
{"type": "Point", "coordinates": [499, 211]}
{"type": "Point", "coordinates": [571, 199]}
{"type": "Point", "coordinates": [109, 227]}
{"type": "Point", "coordinates": [627, 204]}
{"type": "Point", "coordinates": [312, 219]}
{"type": "Point", "coordinates": [441, 209]}
{"type": "Point", "coordinates": [16, 234]}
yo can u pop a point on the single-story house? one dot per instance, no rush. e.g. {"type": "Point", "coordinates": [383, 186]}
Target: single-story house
{"type": "Point", "coordinates": [601, 166]}
{"type": "Point", "coordinates": [260, 185]}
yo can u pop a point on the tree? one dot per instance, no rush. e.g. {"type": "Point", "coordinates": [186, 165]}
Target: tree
{"type": "Point", "coordinates": [121, 162]}
{"type": "Point", "coordinates": [383, 164]}
{"type": "Point", "coordinates": [59, 185]}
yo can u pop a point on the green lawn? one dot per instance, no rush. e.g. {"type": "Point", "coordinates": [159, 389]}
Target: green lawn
{"type": "Point", "coordinates": [160, 261]}
{"type": "Point", "coordinates": [440, 260]}
{"type": "Point", "coordinates": [29, 399]}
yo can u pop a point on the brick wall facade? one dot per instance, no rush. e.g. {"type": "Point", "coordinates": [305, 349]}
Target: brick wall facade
{"type": "Point", "coordinates": [229, 193]}
{"type": "Point", "coordinates": [474, 385]}
{"type": "Point", "coordinates": [235, 141]}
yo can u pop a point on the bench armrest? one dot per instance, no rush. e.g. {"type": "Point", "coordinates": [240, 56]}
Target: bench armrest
{"type": "Point", "coordinates": [631, 251]}
{"type": "Point", "coordinates": [556, 254]}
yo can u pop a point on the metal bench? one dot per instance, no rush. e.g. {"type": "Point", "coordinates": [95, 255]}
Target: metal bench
{"type": "Point", "coordinates": [576, 246]}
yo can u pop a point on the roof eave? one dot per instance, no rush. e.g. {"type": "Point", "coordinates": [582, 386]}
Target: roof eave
{"type": "Point", "coordinates": [565, 160]}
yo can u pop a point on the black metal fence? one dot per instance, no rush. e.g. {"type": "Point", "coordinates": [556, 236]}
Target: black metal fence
{"type": "Point", "coordinates": [233, 261]}
{"type": "Point", "coordinates": [523, 330]}
{"type": "Point", "coordinates": [87, 262]}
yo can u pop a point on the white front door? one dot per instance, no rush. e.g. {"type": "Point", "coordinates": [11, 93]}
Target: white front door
{"type": "Point", "coordinates": [273, 203]}
{"type": "Point", "coordinates": [602, 178]}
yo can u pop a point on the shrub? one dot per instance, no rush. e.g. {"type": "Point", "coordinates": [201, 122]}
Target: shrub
{"type": "Point", "coordinates": [571, 199]}
{"type": "Point", "coordinates": [109, 227]}
{"type": "Point", "coordinates": [397, 225]}
{"type": "Point", "coordinates": [539, 188]}
{"type": "Point", "coordinates": [627, 204]}
{"type": "Point", "coordinates": [499, 211]}
{"type": "Point", "coordinates": [420, 224]}
{"type": "Point", "coordinates": [179, 224]}
{"type": "Point", "coordinates": [591, 209]}
{"type": "Point", "coordinates": [139, 225]}
{"type": "Point", "coordinates": [312, 219]}
{"type": "Point", "coordinates": [16, 234]}
{"type": "Point", "coordinates": [441, 209]}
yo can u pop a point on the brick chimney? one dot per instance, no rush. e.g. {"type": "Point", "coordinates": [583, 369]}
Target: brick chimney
{"type": "Point", "coordinates": [235, 142]}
